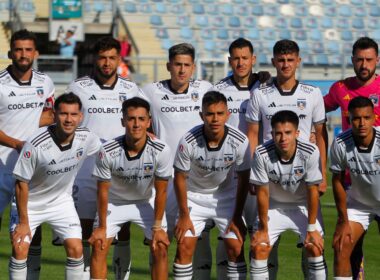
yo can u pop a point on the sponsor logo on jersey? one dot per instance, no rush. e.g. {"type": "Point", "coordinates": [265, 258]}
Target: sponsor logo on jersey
{"type": "Point", "coordinates": [181, 148]}
{"type": "Point", "coordinates": [301, 103]}
{"type": "Point", "coordinates": [298, 171]}
{"type": "Point", "coordinates": [230, 99]}
{"type": "Point", "coordinates": [101, 110]}
{"type": "Point", "coordinates": [27, 105]}
{"type": "Point", "coordinates": [122, 96]}
{"type": "Point", "coordinates": [364, 172]}
{"type": "Point", "coordinates": [79, 153]}
{"type": "Point", "coordinates": [302, 116]}
{"type": "Point", "coordinates": [62, 170]}
{"type": "Point", "coordinates": [306, 89]}
{"type": "Point", "coordinates": [52, 162]}
{"type": "Point", "coordinates": [12, 94]}
{"type": "Point", "coordinates": [86, 83]}
{"type": "Point", "coordinates": [180, 109]}
{"type": "Point", "coordinates": [375, 99]}
{"type": "Point", "coordinates": [195, 96]}
{"type": "Point", "coordinates": [92, 97]}
{"type": "Point", "coordinates": [347, 97]}
{"type": "Point", "coordinates": [166, 97]}
{"type": "Point", "coordinates": [27, 154]}
{"type": "Point", "coordinates": [40, 92]}
{"type": "Point", "coordinates": [148, 167]}
{"type": "Point", "coordinates": [272, 105]}
{"type": "Point", "coordinates": [237, 110]}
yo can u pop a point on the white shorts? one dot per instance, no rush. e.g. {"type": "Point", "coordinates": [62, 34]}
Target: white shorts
{"type": "Point", "coordinates": [295, 219]}
{"type": "Point", "coordinates": [63, 219]}
{"type": "Point", "coordinates": [141, 213]}
{"type": "Point", "coordinates": [361, 214]}
{"type": "Point", "coordinates": [85, 196]}
{"type": "Point", "coordinates": [217, 207]}
{"type": "Point", "coordinates": [7, 188]}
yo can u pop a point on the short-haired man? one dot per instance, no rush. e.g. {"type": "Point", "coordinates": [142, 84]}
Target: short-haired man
{"type": "Point", "coordinates": [286, 175]}
{"type": "Point", "coordinates": [204, 163]}
{"type": "Point", "coordinates": [102, 94]}
{"type": "Point", "coordinates": [26, 100]}
{"type": "Point", "coordinates": [134, 164]}
{"type": "Point", "coordinates": [367, 84]}
{"type": "Point", "coordinates": [44, 173]}
{"type": "Point", "coordinates": [356, 150]}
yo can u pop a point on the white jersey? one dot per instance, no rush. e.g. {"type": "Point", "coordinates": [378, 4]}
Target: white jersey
{"type": "Point", "coordinates": [210, 169]}
{"type": "Point", "coordinates": [287, 181]}
{"type": "Point", "coordinates": [102, 104]}
{"type": "Point", "coordinates": [174, 114]}
{"type": "Point", "coordinates": [363, 165]}
{"type": "Point", "coordinates": [132, 177]}
{"type": "Point", "coordinates": [305, 100]}
{"type": "Point", "coordinates": [21, 105]}
{"type": "Point", "coordinates": [237, 99]}
{"type": "Point", "coordinates": [50, 168]}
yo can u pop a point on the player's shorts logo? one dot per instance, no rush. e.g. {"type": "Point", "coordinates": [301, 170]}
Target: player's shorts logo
{"type": "Point", "coordinates": [195, 96]}
{"type": "Point", "coordinates": [122, 97]}
{"type": "Point", "coordinates": [27, 154]}
{"type": "Point", "coordinates": [375, 99]}
{"type": "Point", "coordinates": [40, 91]}
{"type": "Point", "coordinates": [298, 171]}
{"type": "Point", "coordinates": [79, 153]}
{"type": "Point", "coordinates": [301, 103]}
{"type": "Point", "coordinates": [148, 167]}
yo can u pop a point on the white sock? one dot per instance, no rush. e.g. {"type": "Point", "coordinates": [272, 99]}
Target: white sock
{"type": "Point", "coordinates": [122, 260]}
{"type": "Point", "coordinates": [17, 269]}
{"type": "Point", "coordinates": [317, 268]}
{"type": "Point", "coordinates": [34, 263]}
{"type": "Point", "coordinates": [74, 268]}
{"type": "Point", "coordinates": [182, 271]}
{"type": "Point", "coordinates": [202, 260]}
{"type": "Point", "coordinates": [221, 261]}
{"type": "Point", "coordinates": [259, 270]}
{"type": "Point", "coordinates": [86, 255]}
{"type": "Point", "coordinates": [236, 271]}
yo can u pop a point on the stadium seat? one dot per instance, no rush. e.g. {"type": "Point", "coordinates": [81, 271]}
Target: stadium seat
{"type": "Point", "coordinates": [265, 22]}
{"type": "Point", "coordinates": [360, 12]}
{"type": "Point", "coordinates": [242, 11]}
{"type": "Point", "coordinates": [327, 2]}
{"type": "Point", "coordinates": [372, 2]}
{"type": "Point", "coordinates": [332, 47]}
{"type": "Point", "coordinates": [296, 22]}
{"type": "Point", "coordinates": [253, 1]}
{"type": "Point", "coordinates": [160, 8]}
{"type": "Point", "coordinates": [301, 11]}
{"type": "Point", "coordinates": [281, 22]}
{"type": "Point", "coordinates": [237, 33]}
{"type": "Point", "coordinates": [209, 45]}
{"type": "Point", "coordinates": [262, 59]}
{"type": "Point", "coordinates": [99, 6]}
{"type": "Point", "coordinates": [373, 23]}
{"type": "Point", "coordinates": [297, 1]}
{"type": "Point", "coordinates": [212, 9]}
{"type": "Point", "coordinates": [346, 35]}
{"type": "Point", "coordinates": [156, 20]}
{"type": "Point", "coordinates": [227, 9]}
{"type": "Point", "coordinates": [315, 35]}
{"type": "Point", "coordinates": [201, 20]}
{"type": "Point", "coordinates": [330, 11]}
{"type": "Point", "coordinates": [336, 59]}
{"type": "Point", "coordinates": [253, 34]}
{"type": "Point", "coordinates": [257, 10]}
{"type": "Point", "coordinates": [322, 59]}
{"type": "Point", "coordinates": [234, 21]}
{"type": "Point", "coordinates": [287, 10]}
{"type": "Point", "coordinates": [375, 34]}
{"type": "Point", "coordinates": [304, 47]}
{"type": "Point", "coordinates": [307, 59]}
{"type": "Point", "coordinates": [358, 23]}
{"type": "Point", "coordinates": [326, 22]}
{"type": "Point", "coordinates": [374, 11]}
{"type": "Point", "coordinates": [269, 34]}
{"type": "Point", "coordinates": [344, 11]}
{"type": "Point", "coordinates": [311, 23]}
{"type": "Point", "coordinates": [183, 21]}
{"type": "Point", "coordinates": [285, 34]}
{"type": "Point", "coordinates": [238, 1]}
{"type": "Point", "coordinates": [218, 21]}
{"type": "Point", "coordinates": [331, 34]}
{"type": "Point", "coordinates": [222, 34]}
{"type": "Point", "coordinates": [343, 23]}
{"type": "Point", "coordinates": [186, 33]}
{"type": "Point", "coordinates": [198, 9]}
{"type": "Point", "coordinates": [162, 33]}
{"type": "Point", "coordinates": [300, 35]}
{"type": "Point", "coordinates": [207, 34]}
{"type": "Point", "coordinates": [145, 8]}
{"type": "Point", "coordinates": [283, 1]}
{"type": "Point", "coordinates": [357, 2]}
{"type": "Point", "coordinates": [271, 10]}
{"type": "Point", "coordinates": [130, 7]}
{"type": "Point", "coordinates": [166, 44]}
{"type": "Point", "coordinates": [249, 22]}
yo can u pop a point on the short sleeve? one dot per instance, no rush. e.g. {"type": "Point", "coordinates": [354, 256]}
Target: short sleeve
{"type": "Point", "coordinates": [330, 100]}
{"type": "Point", "coordinates": [94, 144]}
{"type": "Point", "coordinates": [319, 114]}
{"type": "Point", "coordinates": [102, 169]}
{"type": "Point", "coordinates": [243, 159]}
{"type": "Point", "coordinates": [182, 160]}
{"type": "Point", "coordinates": [259, 175]}
{"type": "Point", "coordinates": [337, 158]}
{"type": "Point", "coordinates": [313, 171]}
{"type": "Point", "coordinates": [164, 168]}
{"type": "Point", "coordinates": [253, 109]}
{"type": "Point", "coordinates": [26, 163]}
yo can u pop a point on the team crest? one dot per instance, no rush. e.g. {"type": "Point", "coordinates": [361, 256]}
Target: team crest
{"type": "Point", "coordinates": [40, 92]}
{"type": "Point", "coordinates": [148, 167]}
{"type": "Point", "coordinates": [228, 158]}
{"type": "Point", "coordinates": [377, 159]}
{"type": "Point", "coordinates": [27, 154]}
{"type": "Point", "coordinates": [122, 97]}
{"type": "Point", "coordinates": [375, 99]}
{"type": "Point", "coordinates": [79, 153]}
{"type": "Point", "coordinates": [301, 103]}
{"type": "Point", "coordinates": [195, 96]}
{"type": "Point", "coordinates": [298, 171]}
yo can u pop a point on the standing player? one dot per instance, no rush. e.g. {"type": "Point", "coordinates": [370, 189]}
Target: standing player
{"type": "Point", "coordinates": [356, 150]}
{"type": "Point", "coordinates": [26, 100]}
{"type": "Point", "coordinates": [45, 173]}
{"type": "Point", "coordinates": [286, 175]}
{"type": "Point", "coordinates": [236, 88]}
{"type": "Point", "coordinates": [102, 95]}
{"type": "Point", "coordinates": [134, 164]}
{"type": "Point", "coordinates": [365, 83]}
{"type": "Point", "coordinates": [204, 163]}
{"type": "Point", "coordinates": [175, 107]}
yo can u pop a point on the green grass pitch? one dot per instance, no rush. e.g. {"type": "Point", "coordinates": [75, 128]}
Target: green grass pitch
{"type": "Point", "coordinates": [53, 258]}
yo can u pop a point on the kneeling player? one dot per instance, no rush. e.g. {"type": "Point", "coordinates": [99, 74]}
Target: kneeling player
{"type": "Point", "coordinates": [286, 175]}
{"type": "Point", "coordinates": [204, 166]}
{"type": "Point", "coordinates": [45, 172]}
{"type": "Point", "coordinates": [357, 150]}
{"type": "Point", "coordinates": [127, 169]}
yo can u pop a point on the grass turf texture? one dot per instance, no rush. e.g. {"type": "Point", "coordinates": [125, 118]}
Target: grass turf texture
{"type": "Point", "coordinates": [53, 258]}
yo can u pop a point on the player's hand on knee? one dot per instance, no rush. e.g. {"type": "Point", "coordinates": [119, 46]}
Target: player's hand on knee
{"type": "Point", "coordinates": [260, 238]}
{"type": "Point", "coordinates": [19, 234]}
{"type": "Point", "coordinates": [183, 225]}
{"type": "Point", "coordinates": [342, 232]}
{"type": "Point", "coordinates": [238, 227]}
{"type": "Point", "coordinates": [314, 238]}
{"type": "Point", "coordinates": [159, 236]}
{"type": "Point", "coordinates": [98, 236]}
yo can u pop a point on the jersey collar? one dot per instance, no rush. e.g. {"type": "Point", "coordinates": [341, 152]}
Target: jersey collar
{"type": "Point", "coordinates": [220, 143]}
{"type": "Point", "coordinates": [103, 86]}
{"type": "Point", "coordinates": [28, 83]}
{"type": "Point", "coordinates": [56, 141]}
{"type": "Point", "coordinates": [286, 93]}
{"type": "Point", "coordinates": [129, 158]}
{"type": "Point", "coordinates": [252, 80]}
{"type": "Point", "coordinates": [176, 92]}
